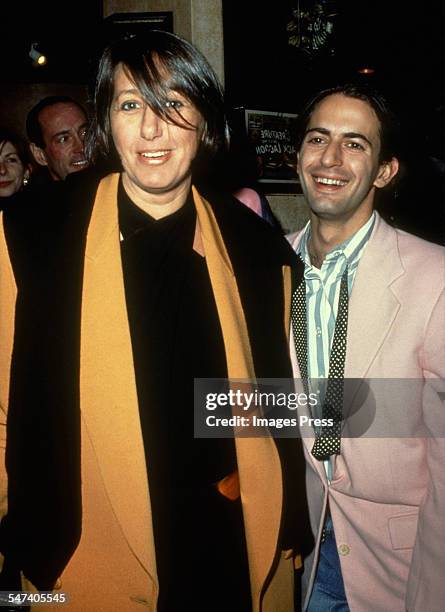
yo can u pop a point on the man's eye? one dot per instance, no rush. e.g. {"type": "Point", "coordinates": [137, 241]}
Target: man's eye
{"type": "Point", "coordinates": [356, 146]}
{"type": "Point", "coordinates": [175, 104]}
{"type": "Point", "coordinates": [62, 139]}
{"type": "Point", "coordinates": [316, 140]}
{"type": "Point", "coordinates": [130, 105]}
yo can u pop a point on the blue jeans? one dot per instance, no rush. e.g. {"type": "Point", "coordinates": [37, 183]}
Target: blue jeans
{"type": "Point", "coordinates": [328, 593]}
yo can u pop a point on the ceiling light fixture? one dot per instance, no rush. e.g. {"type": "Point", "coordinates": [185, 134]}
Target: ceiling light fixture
{"type": "Point", "coordinates": [38, 58]}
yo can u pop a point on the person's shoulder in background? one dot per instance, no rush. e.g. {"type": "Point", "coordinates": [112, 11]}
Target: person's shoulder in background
{"type": "Point", "coordinates": [42, 210]}
{"type": "Point", "coordinates": [258, 203]}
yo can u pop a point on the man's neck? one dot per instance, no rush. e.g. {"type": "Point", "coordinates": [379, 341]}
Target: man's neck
{"type": "Point", "coordinates": [327, 234]}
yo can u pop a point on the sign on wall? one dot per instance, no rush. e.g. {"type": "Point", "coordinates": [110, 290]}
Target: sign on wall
{"type": "Point", "coordinates": [272, 136]}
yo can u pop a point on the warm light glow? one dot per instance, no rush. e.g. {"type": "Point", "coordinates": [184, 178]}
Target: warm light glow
{"type": "Point", "coordinates": [38, 58]}
{"type": "Point", "coordinates": [366, 70]}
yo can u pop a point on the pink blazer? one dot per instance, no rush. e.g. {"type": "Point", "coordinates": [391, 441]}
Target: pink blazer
{"type": "Point", "coordinates": [387, 496]}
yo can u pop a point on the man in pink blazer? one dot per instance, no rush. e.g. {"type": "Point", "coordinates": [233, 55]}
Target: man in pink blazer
{"type": "Point", "coordinates": [377, 503]}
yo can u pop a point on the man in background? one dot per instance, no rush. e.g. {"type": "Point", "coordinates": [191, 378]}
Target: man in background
{"type": "Point", "coordinates": [56, 128]}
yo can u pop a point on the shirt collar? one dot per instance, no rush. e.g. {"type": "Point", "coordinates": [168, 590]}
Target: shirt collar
{"type": "Point", "coordinates": [351, 249]}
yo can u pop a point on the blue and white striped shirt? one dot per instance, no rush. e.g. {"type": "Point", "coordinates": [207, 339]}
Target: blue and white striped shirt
{"type": "Point", "coordinates": [322, 294]}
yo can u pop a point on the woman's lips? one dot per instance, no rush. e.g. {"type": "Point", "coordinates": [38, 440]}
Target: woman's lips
{"type": "Point", "coordinates": [155, 157]}
{"type": "Point", "coordinates": [4, 184]}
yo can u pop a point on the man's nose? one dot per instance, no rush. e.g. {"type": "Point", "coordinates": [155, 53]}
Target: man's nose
{"type": "Point", "coordinates": [151, 126]}
{"type": "Point", "coordinates": [332, 155]}
{"type": "Point", "coordinates": [79, 144]}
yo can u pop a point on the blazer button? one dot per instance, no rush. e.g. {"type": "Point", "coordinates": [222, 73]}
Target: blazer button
{"type": "Point", "coordinates": [343, 549]}
{"type": "Point", "coordinates": [288, 554]}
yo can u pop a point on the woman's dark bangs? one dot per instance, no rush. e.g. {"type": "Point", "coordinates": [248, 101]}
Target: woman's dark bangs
{"type": "Point", "coordinates": [156, 90]}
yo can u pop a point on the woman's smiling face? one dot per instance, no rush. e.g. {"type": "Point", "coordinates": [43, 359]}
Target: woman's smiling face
{"type": "Point", "coordinates": [156, 154]}
{"type": "Point", "coordinates": [12, 170]}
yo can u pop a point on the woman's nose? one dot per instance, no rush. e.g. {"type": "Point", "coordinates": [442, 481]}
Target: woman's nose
{"type": "Point", "coordinates": [151, 124]}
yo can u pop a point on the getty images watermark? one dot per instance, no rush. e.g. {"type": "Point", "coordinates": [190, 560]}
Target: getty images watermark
{"type": "Point", "coordinates": [254, 402]}
{"type": "Point", "coordinates": [295, 408]}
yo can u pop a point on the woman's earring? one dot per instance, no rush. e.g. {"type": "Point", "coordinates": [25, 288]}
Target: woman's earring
{"type": "Point", "coordinates": [25, 181]}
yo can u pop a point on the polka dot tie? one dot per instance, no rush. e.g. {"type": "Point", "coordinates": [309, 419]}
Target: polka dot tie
{"type": "Point", "coordinates": [327, 439]}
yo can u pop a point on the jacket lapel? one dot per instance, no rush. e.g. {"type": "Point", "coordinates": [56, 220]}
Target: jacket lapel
{"type": "Point", "coordinates": [373, 305]}
{"type": "Point", "coordinates": [108, 387]}
{"type": "Point", "coordinates": [8, 294]}
{"type": "Point", "coordinates": [258, 459]}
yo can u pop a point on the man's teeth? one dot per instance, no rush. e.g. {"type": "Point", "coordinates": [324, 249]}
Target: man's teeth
{"type": "Point", "coordinates": [329, 181]}
{"type": "Point", "coordinates": [81, 162]}
{"type": "Point", "coordinates": [154, 154]}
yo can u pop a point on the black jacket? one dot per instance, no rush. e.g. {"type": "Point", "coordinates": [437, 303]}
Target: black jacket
{"type": "Point", "coordinates": [46, 235]}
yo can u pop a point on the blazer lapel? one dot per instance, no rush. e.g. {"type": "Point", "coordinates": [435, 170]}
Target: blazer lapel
{"type": "Point", "coordinates": [373, 306]}
{"type": "Point", "coordinates": [108, 388]}
{"type": "Point", "coordinates": [8, 294]}
{"type": "Point", "coordinates": [258, 459]}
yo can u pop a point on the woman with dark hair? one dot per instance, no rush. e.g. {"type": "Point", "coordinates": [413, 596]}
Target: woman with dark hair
{"type": "Point", "coordinates": [108, 488]}
{"type": "Point", "coordinates": [15, 168]}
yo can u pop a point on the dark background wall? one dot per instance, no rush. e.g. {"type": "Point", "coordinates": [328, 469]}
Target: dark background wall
{"type": "Point", "coordinates": [402, 41]}
{"type": "Point", "coordinates": [404, 44]}
{"type": "Point", "coordinates": [69, 33]}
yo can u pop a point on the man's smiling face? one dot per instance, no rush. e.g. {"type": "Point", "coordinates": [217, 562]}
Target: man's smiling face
{"type": "Point", "coordinates": [338, 162]}
{"type": "Point", "coordinates": [63, 128]}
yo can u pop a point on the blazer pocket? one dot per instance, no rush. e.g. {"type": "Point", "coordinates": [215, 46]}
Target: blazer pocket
{"type": "Point", "coordinates": [402, 531]}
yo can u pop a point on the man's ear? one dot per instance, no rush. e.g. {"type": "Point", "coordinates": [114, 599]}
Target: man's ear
{"type": "Point", "coordinates": [38, 154]}
{"type": "Point", "coordinates": [387, 172]}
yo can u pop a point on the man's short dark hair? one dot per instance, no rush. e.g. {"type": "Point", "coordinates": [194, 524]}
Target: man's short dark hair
{"type": "Point", "coordinates": [389, 125]}
{"type": "Point", "coordinates": [159, 62]}
{"type": "Point", "coordinates": [33, 127]}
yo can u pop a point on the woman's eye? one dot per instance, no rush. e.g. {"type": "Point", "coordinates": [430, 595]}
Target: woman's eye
{"type": "Point", "coordinates": [12, 160]}
{"type": "Point", "coordinates": [175, 104]}
{"type": "Point", "coordinates": [130, 105]}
